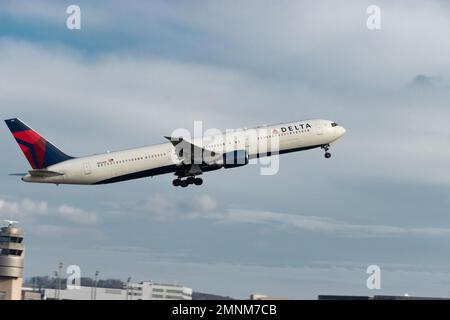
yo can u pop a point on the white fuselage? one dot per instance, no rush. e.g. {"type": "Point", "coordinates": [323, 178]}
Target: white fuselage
{"type": "Point", "coordinates": [162, 158]}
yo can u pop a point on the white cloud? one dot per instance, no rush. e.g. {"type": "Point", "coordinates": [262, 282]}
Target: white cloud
{"type": "Point", "coordinates": [23, 209]}
{"type": "Point", "coordinates": [327, 225]}
{"type": "Point", "coordinates": [32, 212]}
{"type": "Point", "coordinates": [204, 203]}
{"type": "Point", "coordinates": [77, 215]}
{"type": "Point", "coordinates": [203, 206]}
{"type": "Point", "coordinates": [319, 42]}
{"type": "Point", "coordinates": [140, 86]}
{"type": "Point", "coordinates": [176, 207]}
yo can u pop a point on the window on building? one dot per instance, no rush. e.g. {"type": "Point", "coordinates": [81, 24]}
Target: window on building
{"type": "Point", "coordinates": [16, 239]}
{"type": "Point", "coordinates": [12, 252]}
{"type": "Point", "coordinates": [174, 291]}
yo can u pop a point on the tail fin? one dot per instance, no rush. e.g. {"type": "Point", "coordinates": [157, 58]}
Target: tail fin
{"type": "Point", "coordinates": [39, 152]}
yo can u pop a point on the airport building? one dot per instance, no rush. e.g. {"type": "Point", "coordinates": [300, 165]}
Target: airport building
{"type": "Point", "coordinates": [31, 294]}
{"type": "Point", "coordinates": [145, 290]}
{"type": "Point", "coordinates": [12, 252]}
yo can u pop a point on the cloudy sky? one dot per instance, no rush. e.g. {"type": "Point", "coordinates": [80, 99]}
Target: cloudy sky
{"type": "Point", "coordinates": [136, 71]}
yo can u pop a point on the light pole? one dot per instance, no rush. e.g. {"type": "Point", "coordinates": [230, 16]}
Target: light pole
{"type": "Point", "coordinates": [59, 279]}
{"type": "Point", "coordinates": [128, 286]}
{"type": "Point", "coordinates": [95, 284]}
{"type": "Point", "coordinates": [56, 280]}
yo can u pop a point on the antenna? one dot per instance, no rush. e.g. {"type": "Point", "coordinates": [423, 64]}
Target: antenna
{"type": "Point", "coordinates": [10, 222]}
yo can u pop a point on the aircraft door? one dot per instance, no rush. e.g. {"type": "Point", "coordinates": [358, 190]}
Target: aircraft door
{"type": "Point", "coordinates": [87, 168]}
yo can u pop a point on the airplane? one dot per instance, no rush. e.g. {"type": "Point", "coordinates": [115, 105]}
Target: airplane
{"type": "Point", "coordinates": [185, 158]}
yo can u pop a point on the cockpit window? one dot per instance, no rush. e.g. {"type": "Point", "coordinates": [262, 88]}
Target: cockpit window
{"type": "Point", "coordinates": [334, 124]}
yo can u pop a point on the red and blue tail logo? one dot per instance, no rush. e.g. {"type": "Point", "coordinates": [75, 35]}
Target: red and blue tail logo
{"type": "Point", "coordinates": [39, 152]}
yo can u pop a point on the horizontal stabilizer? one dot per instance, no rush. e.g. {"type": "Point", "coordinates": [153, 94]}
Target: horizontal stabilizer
{"type": "Point", "coordinates": [18, 174]}
{"type": "Point", "coordinates": [44, 173]}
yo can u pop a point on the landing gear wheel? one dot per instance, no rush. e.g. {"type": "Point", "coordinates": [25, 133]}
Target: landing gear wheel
{"type": "Point", "coordinates": [190, 180]}
{"type": "Point", "coordinates": [326, 147]}
{"type": "Point", "coordinates": [184, 183]}
{"type": "Point", "coordinates": [198, 181]}
{"type": "Point", "coordinates": [176, 182]}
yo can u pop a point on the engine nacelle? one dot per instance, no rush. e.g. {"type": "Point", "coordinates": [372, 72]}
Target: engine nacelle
{"type": "Point", "coordinates": [235, 159]}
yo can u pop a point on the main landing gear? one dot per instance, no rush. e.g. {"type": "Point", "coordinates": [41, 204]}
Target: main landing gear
{"type": "Point", "coordinates": [326, 148]}
{"type": "Point", "coordinates": [184, 183]}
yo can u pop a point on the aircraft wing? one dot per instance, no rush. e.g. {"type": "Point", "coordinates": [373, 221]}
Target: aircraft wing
{"type": "Point", "coordinates": [191, 153]}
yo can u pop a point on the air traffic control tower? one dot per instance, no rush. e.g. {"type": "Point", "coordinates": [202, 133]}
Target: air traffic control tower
{"type": "Point", "coordinates": [11, 262]}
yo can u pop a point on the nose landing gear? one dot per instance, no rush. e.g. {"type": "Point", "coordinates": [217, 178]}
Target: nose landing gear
{"type": "Point", "coordinates": [186, 182]}
{"type": "Point", "coordinates": [326, 148]}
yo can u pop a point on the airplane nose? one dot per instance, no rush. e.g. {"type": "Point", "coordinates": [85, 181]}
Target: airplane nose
{"type": "Point", "coordinates": [341, 131]}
